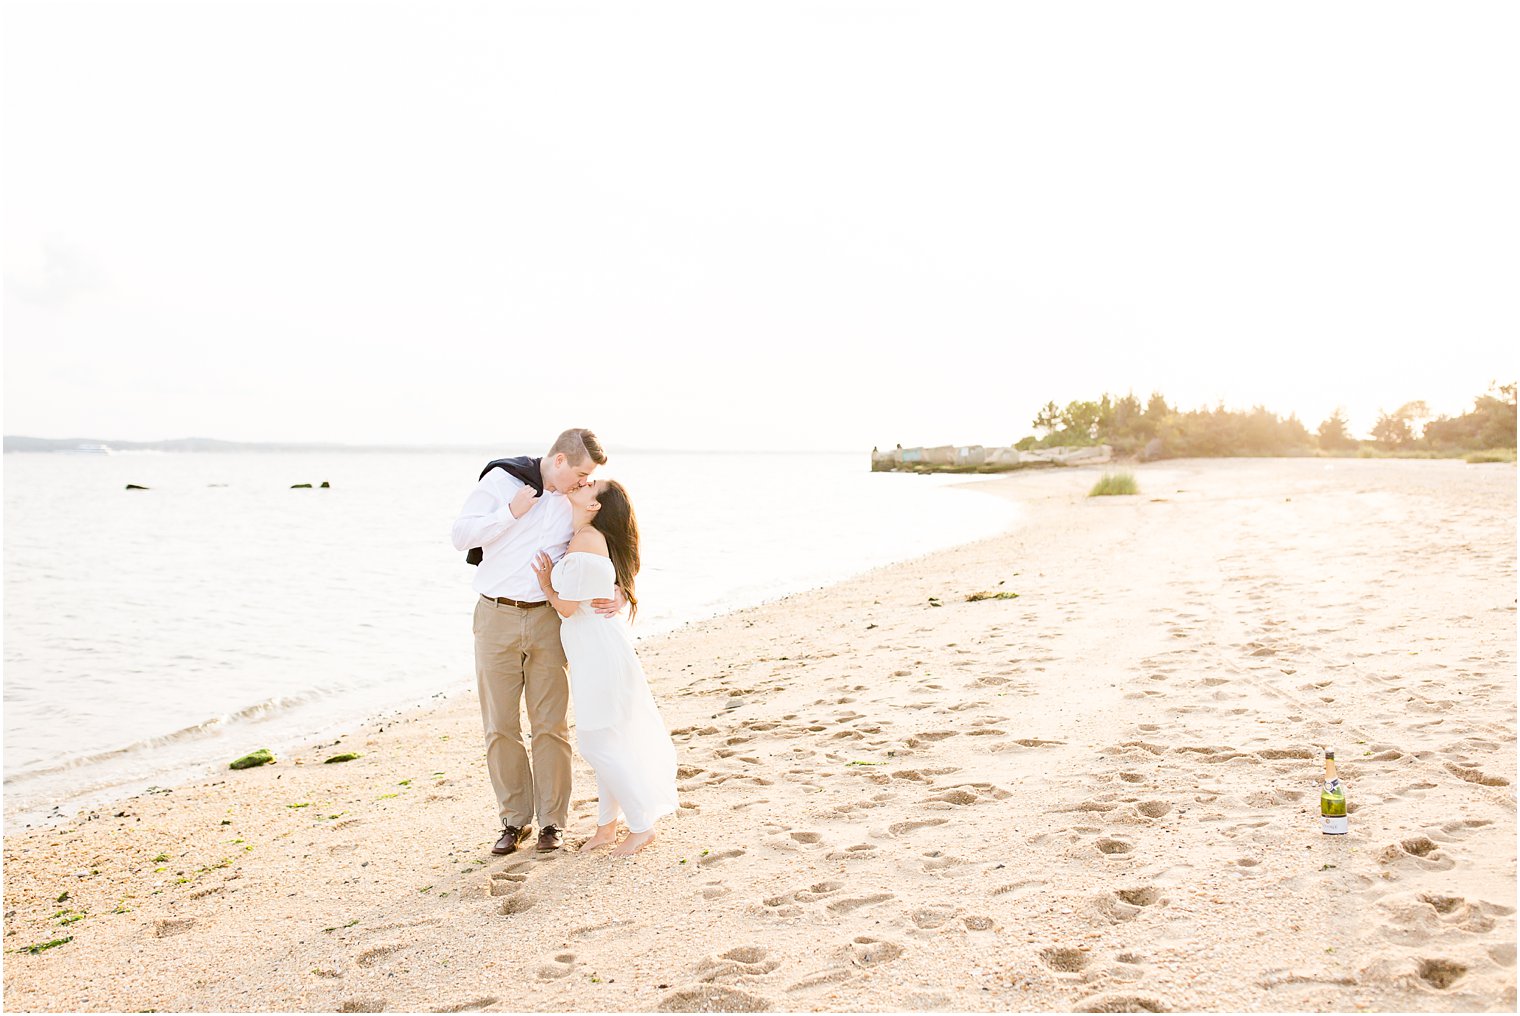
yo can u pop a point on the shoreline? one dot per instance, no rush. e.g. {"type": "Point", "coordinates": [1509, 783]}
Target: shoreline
{"type": "Point", "coordinates": [1100, 793]}
{"type": "Point", "coordinates": [120, 788]}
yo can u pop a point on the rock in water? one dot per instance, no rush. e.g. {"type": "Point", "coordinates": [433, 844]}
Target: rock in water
{"type": "Point", "coordinates": [134, 486]}
{"type": "Point", "coordinates": [258, 758]}
{"type": "Point", "coordinates": [325, 485]}
{"type": "Point", "coordinates": [300, 486]}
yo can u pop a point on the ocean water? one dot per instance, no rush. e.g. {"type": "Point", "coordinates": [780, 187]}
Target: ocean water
{"type": "Point", "coordinates": [152, 636]}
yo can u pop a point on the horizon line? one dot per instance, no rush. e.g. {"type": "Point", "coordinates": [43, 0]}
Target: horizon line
{"type": "Point", "coordinates": [125, 444]}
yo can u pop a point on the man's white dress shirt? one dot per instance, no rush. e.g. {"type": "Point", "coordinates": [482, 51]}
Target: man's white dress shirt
{"type": "Point", "coordinates": [509, 545]}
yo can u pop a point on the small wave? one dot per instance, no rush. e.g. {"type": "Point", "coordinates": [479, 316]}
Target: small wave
{"type": "Point", "coordinates": [205, 728]}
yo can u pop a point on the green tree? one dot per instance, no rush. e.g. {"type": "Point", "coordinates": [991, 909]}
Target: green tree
{"type": "Point", "coordinates": [1048, 418]}
{"type": "Point", "coordinates": [1391, 431]}
{"type": "Point", "coordinates": [1079, 421]}
{"type": "Point", "coordinates": [1335, 434]}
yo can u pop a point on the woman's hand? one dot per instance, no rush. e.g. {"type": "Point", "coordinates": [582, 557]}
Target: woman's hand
{"type": "Point", "coordinates": [543, 566]}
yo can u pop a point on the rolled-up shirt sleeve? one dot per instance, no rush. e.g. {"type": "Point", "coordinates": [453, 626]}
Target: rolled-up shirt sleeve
{"type": "Point", "coordinates": [487, 512]}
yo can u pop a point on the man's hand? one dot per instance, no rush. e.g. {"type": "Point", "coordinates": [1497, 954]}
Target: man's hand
{"type": "Point", "coordinates": [523, 501]}
{"type": "Point", "coordinates": [609, 608]}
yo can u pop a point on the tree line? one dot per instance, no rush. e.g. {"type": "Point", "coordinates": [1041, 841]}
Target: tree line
{"type": "Point", "coordinates": [1156, 429]}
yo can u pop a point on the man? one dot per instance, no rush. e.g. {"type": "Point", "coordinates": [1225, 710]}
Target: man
{"type": "Point", "coordinates": [516, 510]}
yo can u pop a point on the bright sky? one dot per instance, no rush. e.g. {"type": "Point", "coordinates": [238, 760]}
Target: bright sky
{"type": "Point", "coordinates": [760, 225]}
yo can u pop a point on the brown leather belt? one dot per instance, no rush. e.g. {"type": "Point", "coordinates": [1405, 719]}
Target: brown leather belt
{"type": "Point", "coordinates": [508, 601]}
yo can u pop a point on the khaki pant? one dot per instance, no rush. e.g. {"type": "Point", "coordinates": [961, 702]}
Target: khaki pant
{"type": "Point", "coordinates": [518, 656]}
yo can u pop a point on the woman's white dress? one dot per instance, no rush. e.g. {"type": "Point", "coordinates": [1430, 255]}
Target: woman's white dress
{"type": "Point", "coordinates": [617, 725]}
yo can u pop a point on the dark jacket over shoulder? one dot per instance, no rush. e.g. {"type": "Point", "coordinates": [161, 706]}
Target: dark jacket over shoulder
{"type": "Point", "coordinates": [525, 468]}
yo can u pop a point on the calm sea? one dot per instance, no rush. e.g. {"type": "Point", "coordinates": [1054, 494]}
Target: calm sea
{"type": "Point", "coordinates": [151, 636]}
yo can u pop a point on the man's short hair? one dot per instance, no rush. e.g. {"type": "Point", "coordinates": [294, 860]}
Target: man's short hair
{"type": "Point", "coordinates": [579, 445]}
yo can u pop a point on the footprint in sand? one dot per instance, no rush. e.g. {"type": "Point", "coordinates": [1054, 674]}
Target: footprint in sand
{"type": "Point", "coordinates": [1140, 896]}
{"type": "Point", "coordinates": [1121, 1003]}
{"type": "Point", "coordinates": [600, 930]}
{"type": "Point", "coordinates": [1417, 851]}
{"type": "Point", "coordinates": [1127, 904]}
{"type": "Point", "coordinates": [1064, 960]}
{"type": "Point", "coordinates": [737, 962]}
{"type": "Point", "coordinates": [1441, 973]}
{"type": "Point", "coordinates": [1471, 775]}
{"type": "Point", "coordinates": [929, 737]}
{"type": "Point", "coordinates": [868, 952]}
{"type": "Point", "coordinates": [172, 926]}
{"type": "Point", "coordinates": [1114, 848]}
{"type": "Point", "coordinates": [718, 858]}
{"type": "Point", "coordinates": [371, 956]}
{"type": "Point", "coordinates": [711, 998]}
{"type": "Point", "coordinates": [859, 852]}
{"type": "Point", "coordinates": [518, 903]}
{"type": "Point", "coordinates": [472, 1005]}
{"type": "Point", "coordinates": [1463, 827]}
{"type": "Point", "coordinates": [822, 978]}
{"type": "Point", "coordinates": [504, 883]}
{"type": "Point", "coordinates": [1412, 919]}
{"type": "Point", "coordinates": [562, 965]}
{"type": "Point", "coordinates": [813, 893]}
{"type": "Point", "coordinates": [903, 828]}
{"type": "Point", "coordinates": [852, 903]}
{"type": "Point", "coordinates": [940, 863]}
{"type": "Point", "coordinates": [932, 916]}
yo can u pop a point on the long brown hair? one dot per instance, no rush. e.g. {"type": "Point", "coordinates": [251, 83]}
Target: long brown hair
{"type": "Point", "coordinates": [620, 526]}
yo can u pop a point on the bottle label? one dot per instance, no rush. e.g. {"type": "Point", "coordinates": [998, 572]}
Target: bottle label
{"type": "Point", "coordinates": [1332, 809]}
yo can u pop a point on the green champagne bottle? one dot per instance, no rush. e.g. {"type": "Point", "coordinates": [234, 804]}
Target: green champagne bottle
{"type": "Point", "coordinates": [1332, 800]}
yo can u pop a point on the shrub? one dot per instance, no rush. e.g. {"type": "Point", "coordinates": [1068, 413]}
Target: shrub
{"type": "Point", "coordinates": [1115, 483]}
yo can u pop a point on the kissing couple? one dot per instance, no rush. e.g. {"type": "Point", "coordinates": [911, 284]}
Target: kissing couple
{"type": "Point", "coordinates": [557, 553]}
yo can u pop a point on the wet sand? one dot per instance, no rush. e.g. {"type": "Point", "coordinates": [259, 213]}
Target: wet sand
{"type": "Point", "coordinates": [1099, 795]}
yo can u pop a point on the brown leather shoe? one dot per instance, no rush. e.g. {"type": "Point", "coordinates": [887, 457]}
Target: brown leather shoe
{"type": "Point", "coordinates": [552, 838]}
{"type": "Point", "coordinates": [512, 837]}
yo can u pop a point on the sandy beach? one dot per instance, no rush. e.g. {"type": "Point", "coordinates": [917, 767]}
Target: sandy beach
{"type": "Point", "coordinates": [1101, 795]}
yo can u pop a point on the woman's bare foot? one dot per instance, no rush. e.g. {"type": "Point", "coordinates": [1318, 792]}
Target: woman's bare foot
{"type": "Point", "coordinates": [605, 836]}
{"type": "Point", "coordinates": [634, 843]}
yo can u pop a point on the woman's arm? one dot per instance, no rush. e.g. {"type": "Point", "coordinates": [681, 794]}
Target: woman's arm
{"type": "Point", "coordinates": [543, 567]}
{"type": "Point", "coordinates": [590, 540]}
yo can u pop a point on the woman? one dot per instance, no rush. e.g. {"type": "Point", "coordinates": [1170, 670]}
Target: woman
{"type": "Point", "coordinates": [618, 727]}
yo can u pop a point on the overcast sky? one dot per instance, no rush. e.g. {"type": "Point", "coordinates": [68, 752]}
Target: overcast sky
{"type": "Point", "coordinates": [761, 225]}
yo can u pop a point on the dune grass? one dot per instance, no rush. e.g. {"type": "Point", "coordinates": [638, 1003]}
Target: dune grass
{"type": "Point", "coordinates": [1491, 455]}
{"type": "Point", "coordinates": [1115, 483]}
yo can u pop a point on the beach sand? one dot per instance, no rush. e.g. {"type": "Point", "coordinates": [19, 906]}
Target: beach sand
{"type": "Point", "coordinates": [1101, 795]}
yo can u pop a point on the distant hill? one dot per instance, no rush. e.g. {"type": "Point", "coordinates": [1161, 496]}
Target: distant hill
{"type": "Point", "coordinates": [20, 443]}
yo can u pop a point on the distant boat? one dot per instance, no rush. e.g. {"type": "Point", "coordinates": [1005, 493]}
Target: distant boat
{"type": "Point", "coordinates": [89, 449]}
